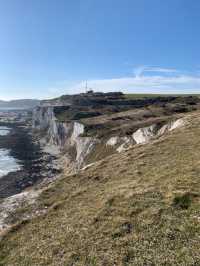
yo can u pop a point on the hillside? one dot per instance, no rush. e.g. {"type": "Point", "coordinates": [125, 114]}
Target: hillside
{"type": "Point", "coordinates": [137, 207]}
{"type": "Point", "coordinates": [85, 128]}
{"type": "Point", "coordinates": [22, 104]}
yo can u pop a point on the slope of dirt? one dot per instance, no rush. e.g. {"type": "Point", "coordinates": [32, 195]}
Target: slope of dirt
{"type": "Point", "coordinates": [139, 207]}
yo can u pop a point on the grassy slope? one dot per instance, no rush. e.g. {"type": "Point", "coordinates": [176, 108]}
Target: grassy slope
{"type": "Point", "coordinates": [140, 207]}
{"type": "Point", "coordinates": [151, 95]}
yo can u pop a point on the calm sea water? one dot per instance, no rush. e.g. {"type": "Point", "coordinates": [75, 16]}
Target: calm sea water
{"type": "Point", "coordinates": [4, 131]}
{"type": "Point", "coordinates": [7, 162]}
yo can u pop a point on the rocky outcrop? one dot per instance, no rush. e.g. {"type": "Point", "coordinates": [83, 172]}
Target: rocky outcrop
{"type": "Point", "coordinates": [120, 143]}
{"type": "Point", "coordinates": [9, 205]}
{"type": "Point", "coordinates": [144, 135]}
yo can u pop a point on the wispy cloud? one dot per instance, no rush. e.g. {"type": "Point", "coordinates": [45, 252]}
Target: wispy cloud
{"type": "Point", "coordinates": [140, 70]}
{"type": "Point", "coordinates": [160, 80]}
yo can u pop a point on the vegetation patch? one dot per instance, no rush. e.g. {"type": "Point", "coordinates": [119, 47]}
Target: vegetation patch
{"type": "Point", "coordinates": [183, 201]}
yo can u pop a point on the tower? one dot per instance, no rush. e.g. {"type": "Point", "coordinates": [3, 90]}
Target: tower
{"type": "Point", "coordinates": [86, 87]}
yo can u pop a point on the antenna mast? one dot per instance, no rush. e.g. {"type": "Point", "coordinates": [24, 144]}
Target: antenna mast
{"type": "Point", "coordinates": [86, 87]}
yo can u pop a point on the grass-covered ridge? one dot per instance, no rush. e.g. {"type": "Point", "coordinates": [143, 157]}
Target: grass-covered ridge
{"type": "Point", "coordinates": [151, 95]}
{"type": "Point", "coordinates": [140, 207]}
{"type": "Point", "coordinates": [90, 105]}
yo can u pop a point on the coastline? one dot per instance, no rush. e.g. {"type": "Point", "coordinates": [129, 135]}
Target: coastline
{"type": "Point", "coordinates": [36, 165]}
{"type": "Point", "coordinates": [38, 168]}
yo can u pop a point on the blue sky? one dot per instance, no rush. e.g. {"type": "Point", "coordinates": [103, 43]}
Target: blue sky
{"type": "Point", "coordinates": [50, 47]}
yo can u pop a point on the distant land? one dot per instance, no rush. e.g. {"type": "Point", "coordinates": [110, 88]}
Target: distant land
{"type": "Point", "coordinates": [19, 104]}
{"type": "Point", "coordinates": [31, 103]}
{"type": "Point", "coordinates": [147, 95]}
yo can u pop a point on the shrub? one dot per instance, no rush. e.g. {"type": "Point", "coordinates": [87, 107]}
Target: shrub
{"type": "Point", "coordinates": [183, 201]}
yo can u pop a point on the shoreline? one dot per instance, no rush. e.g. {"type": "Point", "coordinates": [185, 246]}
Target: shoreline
{"type": "Point", "coordinates": [21, 188]}
{"type": "Point", "coordinates": [36, 164]}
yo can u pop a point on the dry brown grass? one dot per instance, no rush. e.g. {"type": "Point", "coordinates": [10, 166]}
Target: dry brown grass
{"type": "Point", "coordinates": [128, 209]}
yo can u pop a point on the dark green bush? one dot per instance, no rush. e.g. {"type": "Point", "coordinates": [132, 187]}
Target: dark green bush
{"type": "Point", "coordinates": [183, 201]}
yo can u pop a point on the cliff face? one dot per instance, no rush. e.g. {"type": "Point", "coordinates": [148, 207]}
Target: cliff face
{"type": "Point", "coordinates": [88, 127]}
{"type": "Point", "coordinates": [66, 136]}
{"type": "Point", "coordinates": [75, 145]}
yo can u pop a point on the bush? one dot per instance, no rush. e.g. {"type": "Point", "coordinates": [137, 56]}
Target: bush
{"type": "Point", "coordinates": [183, 201]}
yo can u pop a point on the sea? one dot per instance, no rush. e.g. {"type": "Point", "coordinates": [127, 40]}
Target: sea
{"type": "Point", "coordinates": [7, 162]}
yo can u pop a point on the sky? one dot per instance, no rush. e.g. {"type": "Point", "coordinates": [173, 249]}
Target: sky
{"type": "Point", "coordinates": [51, 47]}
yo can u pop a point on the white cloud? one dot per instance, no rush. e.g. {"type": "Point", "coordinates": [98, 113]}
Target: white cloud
{"type": "Point", "coordinates": [139, 71]}
{"type": "Point", "coordinates": [160, 80]}
{"type": "Point", "coordinates": [144, 84]}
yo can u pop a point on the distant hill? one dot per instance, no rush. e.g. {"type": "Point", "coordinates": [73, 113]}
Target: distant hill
{"type": "Point", "coordinates": [22, 104]}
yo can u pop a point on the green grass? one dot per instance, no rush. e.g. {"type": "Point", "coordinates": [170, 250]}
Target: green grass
{"type": "Point", "coordinates": [140, 207]}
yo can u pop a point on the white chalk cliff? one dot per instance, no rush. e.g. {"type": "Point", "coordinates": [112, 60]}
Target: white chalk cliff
{"type": "Point", "coordinates": [69, 139]}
